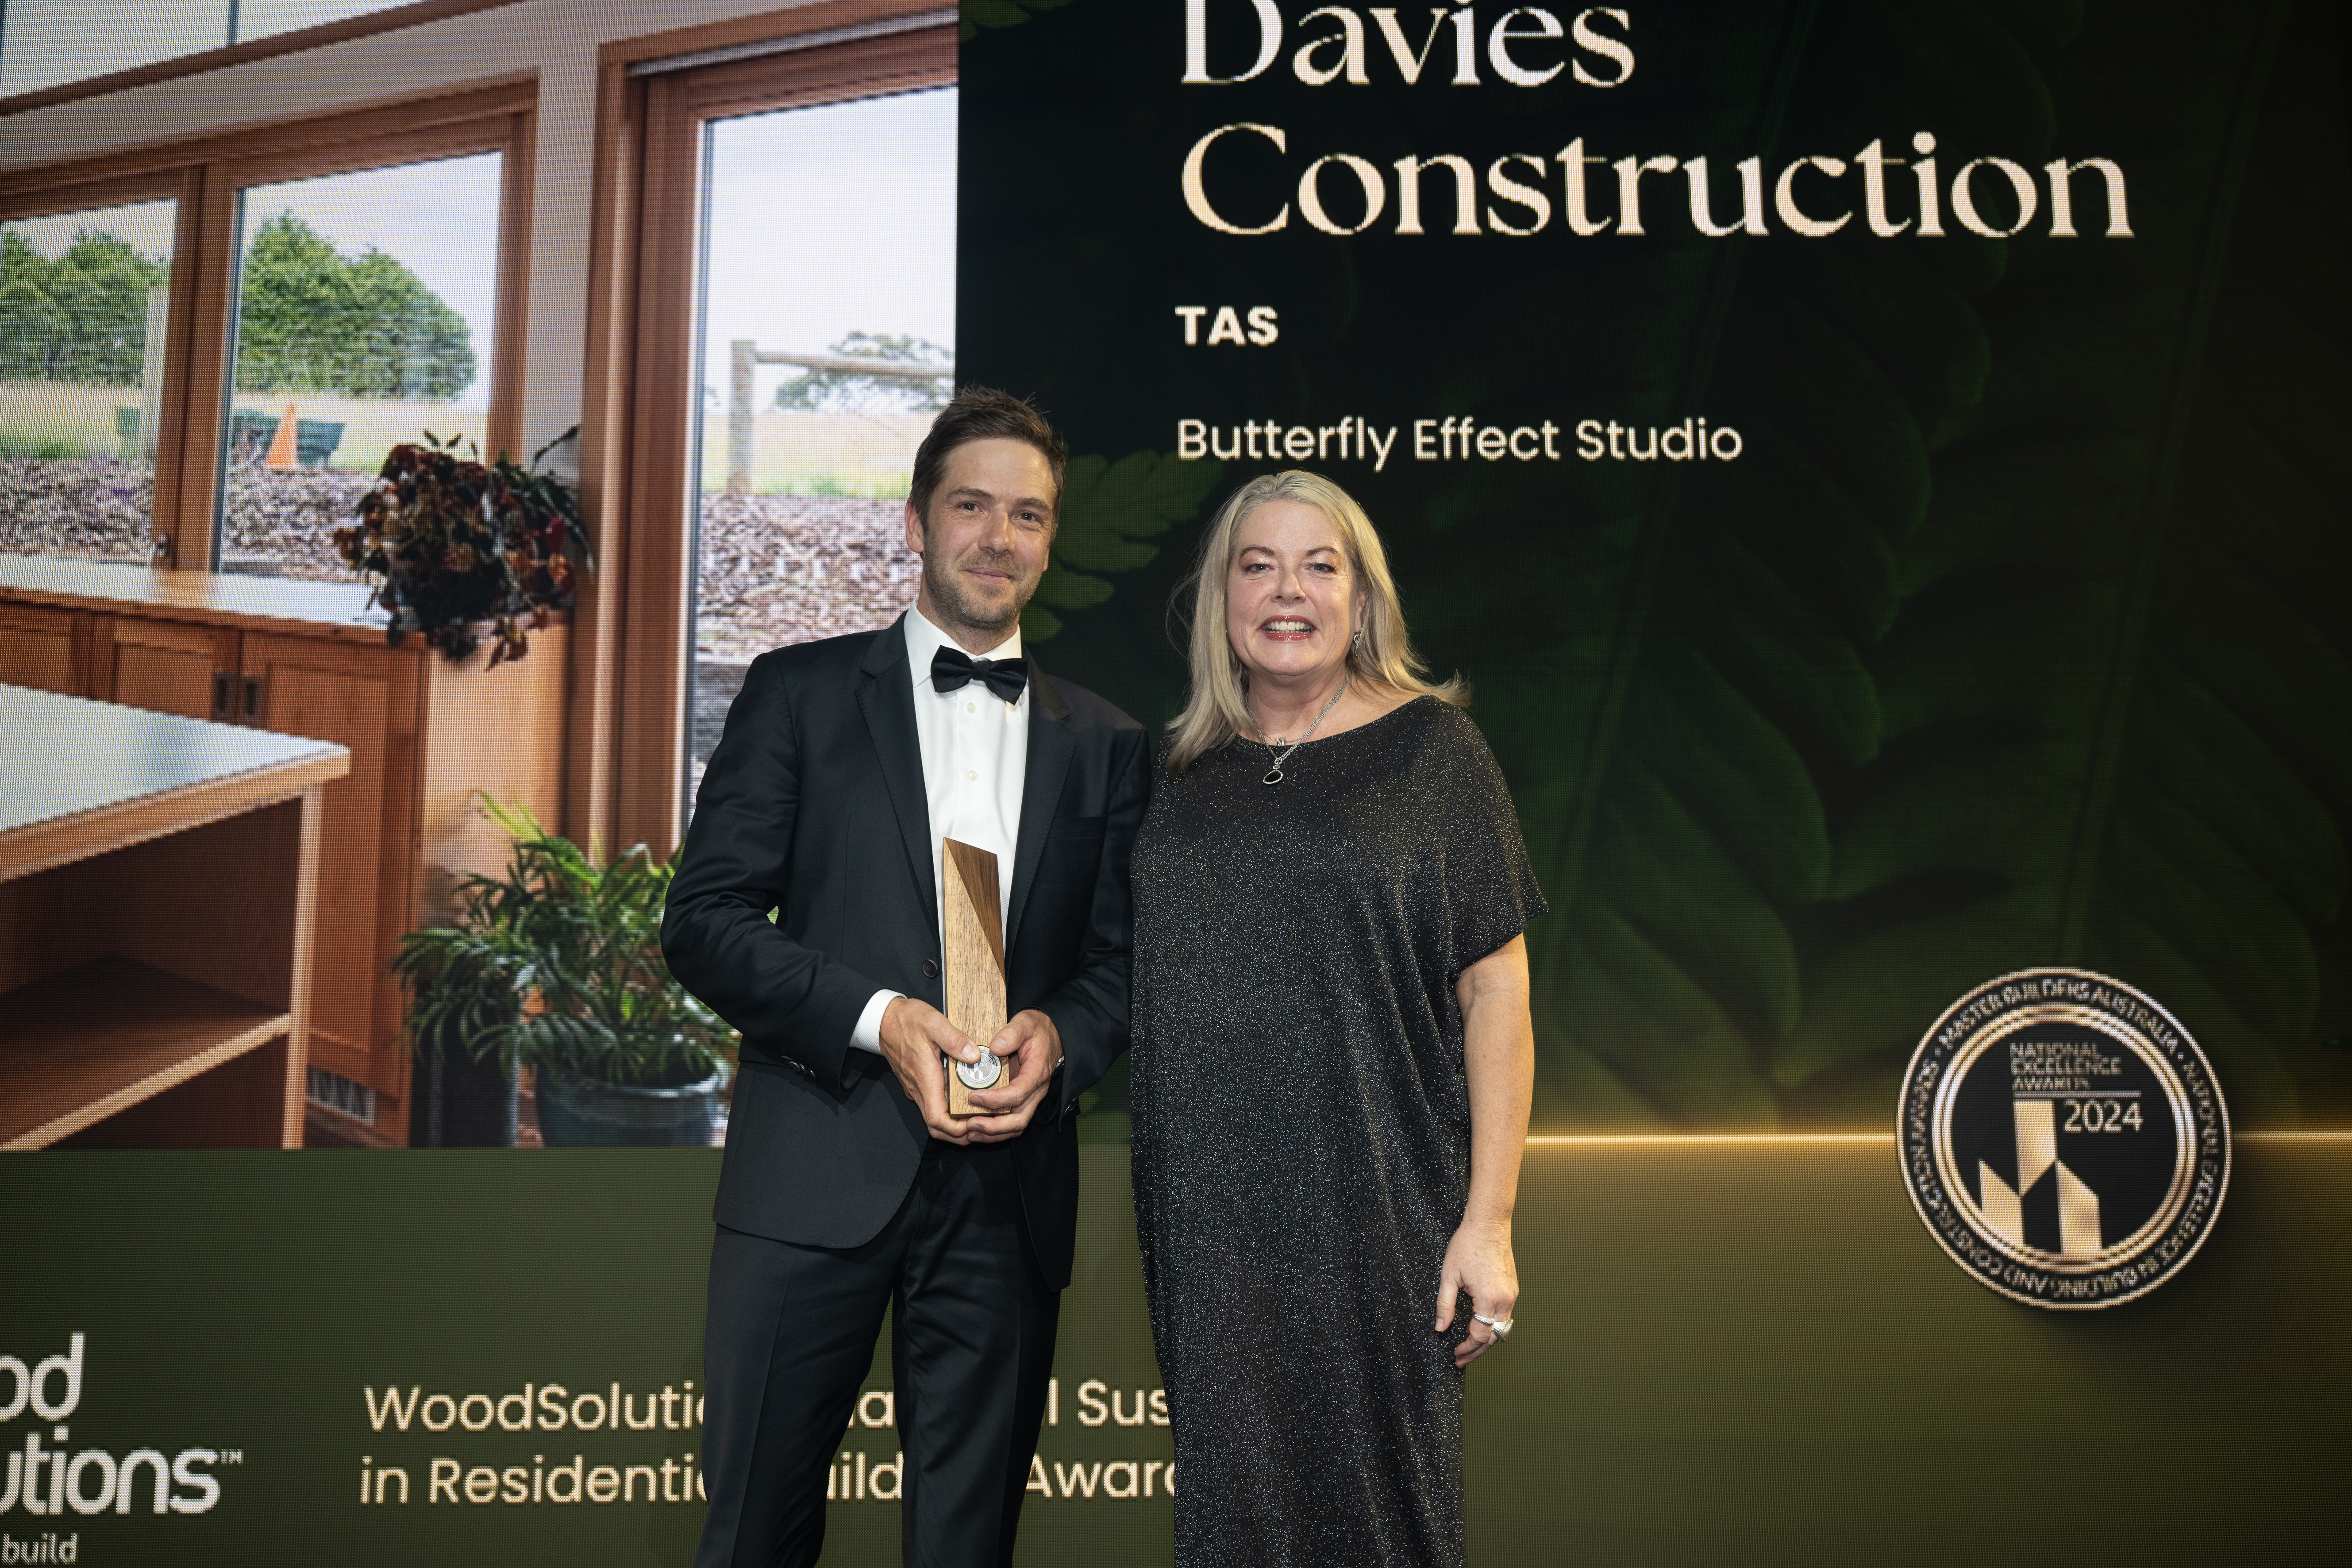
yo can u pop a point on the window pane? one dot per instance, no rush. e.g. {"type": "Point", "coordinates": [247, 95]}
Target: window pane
{"type": "Point", "coordinates": [259, 18]}
{"type": "Point", "coordinates": [365, 314]}
{"type": "Point", "coordinates": [82, 304]}
{"type": "Point", "coordinates": [832, 232]}
{"type": "Point", "coordinates": [45, 42]}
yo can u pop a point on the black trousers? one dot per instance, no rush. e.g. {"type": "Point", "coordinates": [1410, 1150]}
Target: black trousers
{"type": "Point", "coordinates": [791, 1333]}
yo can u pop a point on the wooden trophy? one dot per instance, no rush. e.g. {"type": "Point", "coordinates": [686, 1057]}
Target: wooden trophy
{"type": "Point", "coordinates": [972, 938]}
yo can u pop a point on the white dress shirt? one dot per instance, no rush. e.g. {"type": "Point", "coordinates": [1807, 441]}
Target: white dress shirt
{"type": "Point", "coordinates": [975, 751]}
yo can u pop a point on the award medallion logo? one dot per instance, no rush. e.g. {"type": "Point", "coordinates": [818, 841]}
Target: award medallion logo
{"type": "Point", "coordinates": [2063, 1139]}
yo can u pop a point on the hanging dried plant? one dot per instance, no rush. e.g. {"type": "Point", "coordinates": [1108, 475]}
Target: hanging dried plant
{"type": "Point", "coordinates": [453, 543]}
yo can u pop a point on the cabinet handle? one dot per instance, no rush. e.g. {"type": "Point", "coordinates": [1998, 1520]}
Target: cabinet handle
{"type": "Point", "coordinates": [253, 698]}
{"type": "Point", "coordinates": [221, 715]}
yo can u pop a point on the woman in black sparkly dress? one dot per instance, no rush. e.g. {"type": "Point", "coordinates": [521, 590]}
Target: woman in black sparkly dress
{"type": "Point", "coordinates": [1332, 1054]}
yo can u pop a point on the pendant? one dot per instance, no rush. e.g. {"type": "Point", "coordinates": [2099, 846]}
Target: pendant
{"type": "Point", "coordinates": [1273, 776]}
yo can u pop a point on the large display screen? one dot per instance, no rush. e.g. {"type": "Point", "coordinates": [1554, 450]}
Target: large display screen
{"type": "Point", "coordinates": [1867, 460]}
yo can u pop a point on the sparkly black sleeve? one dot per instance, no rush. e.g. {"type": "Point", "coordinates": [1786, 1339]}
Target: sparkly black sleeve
{"type": "Point", "coordinates": [1490, 890]}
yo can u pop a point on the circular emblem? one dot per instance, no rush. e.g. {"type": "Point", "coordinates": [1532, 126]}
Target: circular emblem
{"type": "Point", "coordinates": [2063, 1139]}
{"type": "Point", "coordinates": [982, 1074]}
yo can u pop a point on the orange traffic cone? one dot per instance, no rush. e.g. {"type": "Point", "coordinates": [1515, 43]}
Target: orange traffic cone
{"type": "Point", "coordinates": [282, 447]}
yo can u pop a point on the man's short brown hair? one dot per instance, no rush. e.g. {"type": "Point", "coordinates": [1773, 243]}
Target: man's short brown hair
{"type": "Point", "coordinates": [982, 414]}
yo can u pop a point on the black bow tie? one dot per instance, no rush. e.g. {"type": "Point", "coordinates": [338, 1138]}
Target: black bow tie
{"type": "Point", "coordinates": [950, 669]}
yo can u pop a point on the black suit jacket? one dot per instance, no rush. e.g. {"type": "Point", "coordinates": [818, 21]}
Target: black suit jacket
{"type": "Point", "coordinates": [814, 807]}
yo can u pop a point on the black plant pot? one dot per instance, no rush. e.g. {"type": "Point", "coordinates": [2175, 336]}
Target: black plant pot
{"type": "Point", "coordinates": [587, 1112]}
{"type": "Point", "coordinates": [459, 1101]}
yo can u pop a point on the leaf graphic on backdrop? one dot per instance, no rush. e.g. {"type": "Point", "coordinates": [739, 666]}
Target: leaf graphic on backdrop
{"type": "Point", "coordinates": [2223, 868]}
{"type": "Point", "coordinates": [1678, 962]}
{"type": "Point", "coordinates": [2114, 737]}
{"type": "Point", "coordinates": [1108, 510]}
{"type": "Point", "coordinates": [974, 15]}
{"type": "Point", "coordinates": [1801, 665]}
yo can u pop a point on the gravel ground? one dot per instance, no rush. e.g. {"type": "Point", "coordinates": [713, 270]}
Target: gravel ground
{"type": "Point", "coordinates": [98, 508]}
{"type": "Point", "coordinates": [283, 525]}
{"type": "Point", "coordinates": [788, 569]}
{"type": "Point", "coordinates": [775, 568]}
{"type": "Point", "coordinates": [280, 525]}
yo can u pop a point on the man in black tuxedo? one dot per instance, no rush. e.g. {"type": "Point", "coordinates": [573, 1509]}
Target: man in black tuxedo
{"type": "Point", "coordinates": [847, 1187]}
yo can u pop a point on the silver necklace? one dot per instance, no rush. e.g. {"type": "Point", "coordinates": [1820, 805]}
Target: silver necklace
{"type": "Point", "coordinates": [1274, 774]}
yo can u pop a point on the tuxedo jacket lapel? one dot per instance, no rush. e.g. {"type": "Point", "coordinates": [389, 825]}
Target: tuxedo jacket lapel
{"type": "Point", "coordinates": [1051, 747]}
{"type": "Point", "coordinates": [886, 698]}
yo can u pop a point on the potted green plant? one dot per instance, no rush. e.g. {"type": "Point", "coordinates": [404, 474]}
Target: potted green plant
{"type": "Point", "coordinates": [461, 551]}
{"type": "Point", "coordinates": [556, 964]}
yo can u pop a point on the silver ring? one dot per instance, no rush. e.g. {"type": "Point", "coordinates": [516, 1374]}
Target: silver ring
{"type": "Point", "coordinates": [1502, 1325]}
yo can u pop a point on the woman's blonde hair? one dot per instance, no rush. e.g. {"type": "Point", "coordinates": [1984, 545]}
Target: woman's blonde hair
{"type": "Point", "coordinates": [1214, 710]}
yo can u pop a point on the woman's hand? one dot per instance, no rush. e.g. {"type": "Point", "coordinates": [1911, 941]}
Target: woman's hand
{"type": "Point", "coordinates": [1499, 1055]}
{"type": "Point", "coordinates": [1478, 1261]}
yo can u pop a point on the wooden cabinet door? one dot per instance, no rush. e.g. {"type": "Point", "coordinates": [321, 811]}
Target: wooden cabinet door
{"type": "Point", "coordinates": [364, 698]}
{"type": "Point", "coordinates": [167, 667]}
{"type": "Point", "coordinates": [45, 649]}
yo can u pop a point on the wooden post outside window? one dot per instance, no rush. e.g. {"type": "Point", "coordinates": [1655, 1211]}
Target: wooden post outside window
{"type": "Point", "coordinates": [628, 732]}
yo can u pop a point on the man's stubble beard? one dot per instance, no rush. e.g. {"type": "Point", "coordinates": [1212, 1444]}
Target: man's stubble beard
{"type": "Point", "coordinates": [944, 581]}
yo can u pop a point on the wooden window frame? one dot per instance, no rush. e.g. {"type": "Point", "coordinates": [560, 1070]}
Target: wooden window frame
{"type": "Point", "coordinates": [627, 730]}
{"type": "Point", "coordinates": [207, 175]}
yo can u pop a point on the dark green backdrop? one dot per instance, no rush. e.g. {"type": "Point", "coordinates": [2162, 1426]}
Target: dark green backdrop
{"type": "Point", "coordinates": [2015, 637]}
